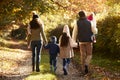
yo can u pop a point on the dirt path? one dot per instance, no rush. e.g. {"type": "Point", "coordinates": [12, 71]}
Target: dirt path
{"type": "Point", "coordinates": [20, 65]}
{"type": "Point", "coordinates": [73, 73]}
{"type": "Point", "coordinates": [15, 61]}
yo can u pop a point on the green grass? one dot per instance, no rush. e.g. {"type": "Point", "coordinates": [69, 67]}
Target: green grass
{"type": "Point", "coordinates": [112, 65]}
{"type": "Point", "coordinates": [44, 73]}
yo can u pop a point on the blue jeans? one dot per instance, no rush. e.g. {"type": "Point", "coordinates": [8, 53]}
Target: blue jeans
{"type": "Point", "coordinates": [66, 61]}
{"type": "Point", "coordinates": [36, 47]}
{"type": "Point", "coordinates": [53, 60]}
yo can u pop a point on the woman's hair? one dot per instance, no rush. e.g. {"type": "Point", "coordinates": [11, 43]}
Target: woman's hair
{"type": "Point", "coordinates": [34, 24]}
{"type": "Point", "coordinates": [64, 40]}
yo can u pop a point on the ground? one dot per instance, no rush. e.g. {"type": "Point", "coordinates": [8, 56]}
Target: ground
{"type": "Point", "coordinates": [18, 66]}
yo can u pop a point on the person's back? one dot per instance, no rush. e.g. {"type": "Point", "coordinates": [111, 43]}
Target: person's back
{"type": "Point", "coordinates": [53, 48]}
{"type": "Point", "coordinates": [82, 33]}
{"type": "Point", "coordinates": [84, 30]}
{"type": "Point", "coordinates": [35, 35]}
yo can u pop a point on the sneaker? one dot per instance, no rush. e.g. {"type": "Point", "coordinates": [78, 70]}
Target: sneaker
{"type": "Point", "coordinates": [37, 70]}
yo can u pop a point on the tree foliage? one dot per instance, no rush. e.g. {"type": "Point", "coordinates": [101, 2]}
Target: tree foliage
{"type": "Point", "coordinates": [109, 33]}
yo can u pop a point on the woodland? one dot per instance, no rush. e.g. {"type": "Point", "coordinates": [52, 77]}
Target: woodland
{"type": "Point", "coordinates": [15, 16]}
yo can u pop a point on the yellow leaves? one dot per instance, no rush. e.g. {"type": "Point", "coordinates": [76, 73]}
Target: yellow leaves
{"type": "Point", "coordinates": [16, 10]}
{"type": "Point", "coordinates": [105, 78]}
{"type": "Point", "coordinates": [7, 65]}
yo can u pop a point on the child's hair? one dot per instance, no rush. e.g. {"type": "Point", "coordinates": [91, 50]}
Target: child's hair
{"type": "Point", "coordinates": [53, 39]}
{"type": "Point", "coordinates": [64, 40]}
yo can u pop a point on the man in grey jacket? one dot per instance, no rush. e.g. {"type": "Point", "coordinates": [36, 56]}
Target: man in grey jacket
{"type": "Point", "coordinates": [83, 32]}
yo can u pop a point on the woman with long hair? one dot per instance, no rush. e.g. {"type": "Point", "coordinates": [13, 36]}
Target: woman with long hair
{"type": "Point", "coordinates": [36, 37]}
{"type": "Point", "coordinates": [66, 48]}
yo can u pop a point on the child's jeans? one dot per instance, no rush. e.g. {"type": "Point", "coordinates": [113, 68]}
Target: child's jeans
{"type": "Point", "coordinates": [66, 61]}
{"type": "Point", "coordinates": [53, 60]}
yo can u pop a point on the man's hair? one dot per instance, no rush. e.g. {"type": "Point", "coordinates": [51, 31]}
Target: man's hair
{"type": "Point", "coordinates": [81, 14]}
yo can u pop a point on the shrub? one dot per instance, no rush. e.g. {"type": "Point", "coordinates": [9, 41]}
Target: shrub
{"type": "Point", "coordinates": [19, 33]}
{"type": "Point", "coordinates": [57, 31]}
{"type": "Point", "coordinates": [108, 39]}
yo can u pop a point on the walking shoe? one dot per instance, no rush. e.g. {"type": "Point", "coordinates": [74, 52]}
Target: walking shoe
{"type": "Point", "coordinates": [86, 69]}
{"type": "Point", "coordinates": [37, 70]}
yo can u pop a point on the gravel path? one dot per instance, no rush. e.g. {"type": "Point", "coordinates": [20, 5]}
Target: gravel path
{"type": "Point", "coordinates": [18, 70]}
{"type": "Point", "coordinates": [73, 73]}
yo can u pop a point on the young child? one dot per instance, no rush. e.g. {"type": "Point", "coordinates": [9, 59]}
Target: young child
{"type": "Point", "coordinates": [92, 19]}
{"type": "Point", "coordinates": [66, 48]}
{"type": "Point", "coordinates": [53, 52]}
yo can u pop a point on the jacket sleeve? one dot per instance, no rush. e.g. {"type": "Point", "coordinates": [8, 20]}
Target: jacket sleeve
{"type": "Point", "coordinates": [73, 43]}
{"type": "Point", "coordinates": [93, 26]}
{"type": "Point", "coordinates": [74, 33]}
{"type": "Point", "coordinates": [43, 33]}
{"type": "Point", "coordinates": [29, 39]}
{"type": "Point", "coordinates": [47, 46]}
{"type": "Point", "coordinates": [28, 35]}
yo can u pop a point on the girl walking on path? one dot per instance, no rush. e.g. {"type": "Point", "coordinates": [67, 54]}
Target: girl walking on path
{"type": "Point", "coordinates": [35, 36]}
{"type": "Point", "coordinates": [66, 48]}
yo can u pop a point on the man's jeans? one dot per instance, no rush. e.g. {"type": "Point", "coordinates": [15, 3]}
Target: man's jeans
{"type": "Point", "coordinates": [86, 53]}
{"type": "Point", "coordinates": [36, 53]}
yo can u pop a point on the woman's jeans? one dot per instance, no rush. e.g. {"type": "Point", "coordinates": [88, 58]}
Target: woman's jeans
{"type": "Point", "coordinates": [36, 47]}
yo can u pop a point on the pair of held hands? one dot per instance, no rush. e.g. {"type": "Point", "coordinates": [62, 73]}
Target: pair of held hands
{"type": "Point", "coordinates": [29, 46]}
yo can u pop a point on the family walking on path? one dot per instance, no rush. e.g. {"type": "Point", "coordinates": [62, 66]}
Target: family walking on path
{"type": "Point", "coordinates": [83, 35]}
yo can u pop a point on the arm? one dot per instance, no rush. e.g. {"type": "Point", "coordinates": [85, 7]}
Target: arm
{"type": "Point", "coordinates": [74, 33]}
{"type": "Point", "coordinates": [93, 26]}
{"type": "Point", "coordinates": [43, 34]}
{"type": "Point", "coordinates": [28, 36]}
{"type": "Point", "coordinates": [73, 43]}
{"type": "Point", "coordinates": [47, 46]}
{"type": "Point", "coordinates": [28, 29]}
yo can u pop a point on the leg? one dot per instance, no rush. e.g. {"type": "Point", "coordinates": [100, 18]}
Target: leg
{"type": "Point", "coordinates": [33, 55]}
{"type": "Point", "coordinates": [38, 55]}
{"type": "Point", "coordinates": [68, 61]}
{"type": "Point", "coordinates": [82, 55]}
{"type": "Point", "coordinates": [89, 56]}
{"type": "Point", "coordinates": [54, 63]}
{"type": "Point", "coordinates": [64, 66]}
{"type": "Point", "coordinates": [50, 62]}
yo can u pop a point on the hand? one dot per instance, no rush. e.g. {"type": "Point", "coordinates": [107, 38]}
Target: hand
{"type": "Point", "coordinates": [28, 46]}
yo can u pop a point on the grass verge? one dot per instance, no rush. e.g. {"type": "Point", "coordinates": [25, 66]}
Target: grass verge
{"type": "Point", "coordinates": [44, 73]}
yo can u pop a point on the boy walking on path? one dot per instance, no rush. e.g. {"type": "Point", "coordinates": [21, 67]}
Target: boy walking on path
{"type": "Point", "coordinates": [53, 52]}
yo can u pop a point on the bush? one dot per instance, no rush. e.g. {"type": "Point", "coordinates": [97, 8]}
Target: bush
{"type": "Point", "coordinates": [19, 33]}
{"type": "Point", "coordinates": [57, 31]}
{"type": "Point", "coordinates": [108, 39]}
